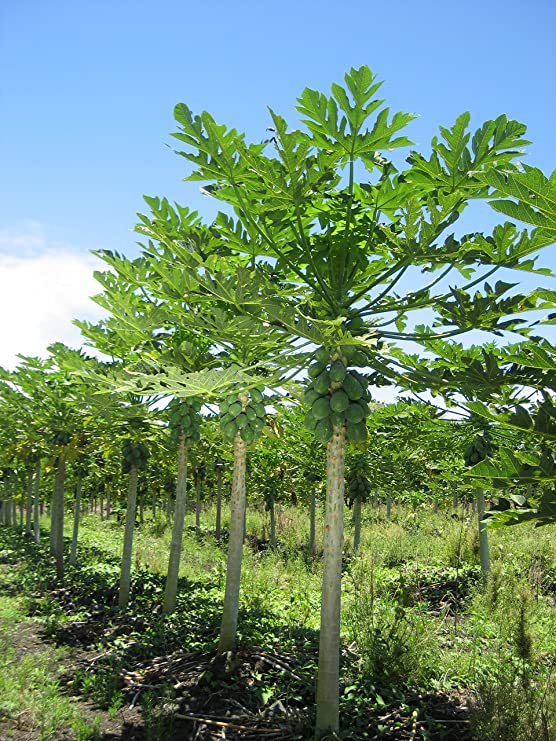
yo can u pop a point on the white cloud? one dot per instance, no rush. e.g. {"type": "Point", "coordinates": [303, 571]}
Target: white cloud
{"type": "Point", "coordinates": [42, 290]}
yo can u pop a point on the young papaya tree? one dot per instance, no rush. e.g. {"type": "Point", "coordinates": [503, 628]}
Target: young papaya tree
{"type": "Point", "coordinates": [340, 242]}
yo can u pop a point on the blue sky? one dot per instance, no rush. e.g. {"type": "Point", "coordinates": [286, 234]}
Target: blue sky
{"type": "Point", "coordinates": [88, 92]}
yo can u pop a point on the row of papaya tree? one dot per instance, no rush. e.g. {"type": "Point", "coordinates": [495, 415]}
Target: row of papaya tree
{"type": "Point", "coordinates": [332, 257]}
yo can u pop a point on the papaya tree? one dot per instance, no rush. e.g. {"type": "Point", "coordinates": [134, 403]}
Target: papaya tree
{"type": "Point", "coordinates": [339, 242]}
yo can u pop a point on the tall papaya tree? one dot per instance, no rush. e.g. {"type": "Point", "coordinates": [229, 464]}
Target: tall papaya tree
{"type": "Point", "coordinates": [340, 242]}
{"type": "Point", "coordinates": [156, 298]}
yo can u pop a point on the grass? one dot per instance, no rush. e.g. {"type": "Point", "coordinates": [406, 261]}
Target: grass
{"type": "Point", "coordinates": [30, 697]}
{"type": "Point", "coordinates": [424, 637]}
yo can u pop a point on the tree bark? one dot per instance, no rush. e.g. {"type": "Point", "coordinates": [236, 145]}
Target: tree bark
{"type": "Point", "coordinates": [218, 531]}
{"type": "Point", "coordinates": [57, 517]}
{"type": "Point", "coordinates": [272, 514]}
{"type": "Point", "coordinates": [29, 503]}
{"type": "Point", "coordinates": [228, 627]}
{"type": "Point", "coordinates": [388, 506]}
{"type": "Point", "coordinates": [484, 553]}
{"type": "Point", "coordinates": [356, 524]}
{"type": "Point", "coordinates": [312, 523]}
{"type": "Point", "coordinates": [171, 587]}
{"type": "Point", "coordinates": [328, 683]}
{"type": "Point", "coordinates": [125, 576]}
{"type": "Point", "coordinates": [198, 503]}
{"type": "Point", "coordinates": [76, 514]}
{"type": "Point", "coordinates": [108, 500]}
{"type": "Point", "coordinates": [36, 503]}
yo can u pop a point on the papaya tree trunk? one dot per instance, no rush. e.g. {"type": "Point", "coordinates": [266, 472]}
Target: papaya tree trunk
{"type": "Point", "coordinates": [356, 524]}
{"type": "Point", "coordinates": [36, 503]}
{"type": "Point", "coordinates": [218, 530]}
{"type": "Point", "coordinates": [235, 549]}
{"type": "Point", "coordinates": [29, 503]}
{"type": "Point", "coordinates": [125, 575]}
{"type": "Point", "coordinates": [328, 683]}
{"type": "Point", "coordinates": [141, 506]}
{"type": "Point", "coordinates": [57, 517]}
{"type": "Point", "coordinates": [76, 515]}
{"type": "Point", "coordinates": [171, 588]}
{"type": "Point", "coordinates": [484, 553]}
{"type": "Point", "coordinates": [198, 503]}
{"type": "Point", "coordinates": [272, 513]}
{"type": "Point", "coordinates": [108, 500]}
{"type": "Point", "coordinates": [312, 523]}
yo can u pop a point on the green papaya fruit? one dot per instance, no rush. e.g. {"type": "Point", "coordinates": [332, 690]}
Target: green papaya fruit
{"type": "Point", "coordinates": [316, 369]}
{"type": "Point", "coordinates": [248, 435]}
{"type": "Point", "coordinates": [357, 433]}
{"type": "Point", "coordinates": [337, 419]}
{"type": "Point", "coordinates": [339, 401]}
{"type": "Point", "coordinates": [353, 387]}
{"type": "Point", "coordinates": [321, 384]}
{"type": "Point", "coordinates": [355, 413]}
{"type": "Point", "coordinates": [310, 421]}
{"type": "Point", "coordinates": [337, 371]}
{"type": "Point", "coordinates": [235, 409]}
{"type": "Point", "coordinates": [321, 407]}
{"type": "Point", "coordinates": [322, 355]}
{"type": "Point", "coordinates": [323, 430]}
{"type": "Point", "coordinates": [256, 396]}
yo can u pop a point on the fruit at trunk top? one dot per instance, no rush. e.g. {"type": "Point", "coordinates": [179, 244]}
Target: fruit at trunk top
{"type": "Point", "coordinates": [321, 407]}
{"type": "Point", "coordinates": [316, 369]}
{"type": "Point", "coordinates": [353, 387]}
{"type": "Point", "coordinates": [337, 372]}
{"type": "Point", "coordinates": [339, 401]}
{"type": "Point", "coordinates": [322, 382]}
{"type": "Point", "coordinates": [323, 430]}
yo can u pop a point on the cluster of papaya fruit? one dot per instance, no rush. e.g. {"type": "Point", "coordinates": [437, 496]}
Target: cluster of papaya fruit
{"type": "Point", "coordinates": [477, 451]}
{"type": "Point", "coordinates": [337, 395]}
{"type": "Point", "coordinates": [184, 415]}
{"type": "Point", "coordinates": [243, 412]}
{"type": "Point", "coordinates": [359, 487]}
{"type": "Point", "coordinates": [134, 454]}
{"type": "Point", "coordinates": [59, 437]}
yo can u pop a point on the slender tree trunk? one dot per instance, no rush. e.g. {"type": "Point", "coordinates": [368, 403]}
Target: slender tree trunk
{"type": "Point", "coordinates": [29, 503]}
{"type": "Point", "coordinates": [76, 514]}
{"type": "Point", "coordinates": [455, 500]}
{"type": "Point", "coordinates": [435, 506]}
{"type": "Point", "coordinates": [171, 588]}
{"type": "Point", "coordinates": [36, 503]}
{"type": "Point", "coordinates": [218, 531]}
{"type": "Point", "coordinates": [483, 534]}
{"type": "Point", "coordinates": [141, 505]}
{"type": "Point", "coordinates": [388, 506]}
{"type": "Point", "coordinates": [312, 523]}
{"type": "Point", "coordinates": [153, 503]}
{"type": "Point", "coordinates": [102, 504]}
{"type": "Point", "coordinates": [272, 513]}
{"type": "Point", "coordinates": [328, 683]}
{"type": "Point", "coordinates": [57, 517]}
{"type": "Point", "coordinates": [125, 576]}
{"type": "Point", "coordinates": [198, 503]}
{"type": "Point", "coordinates": [356, 524]}
{"type": "Point", "coordinates": [108, 500]}
{"type": "Point", "coordinates": [169, 507]}
{"type": "Point", "coordinates": [375, 500]}
{"type": "Point", "coordinates": [235, 549]}
{"type": "Point", "coordinates": [21, 512]}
